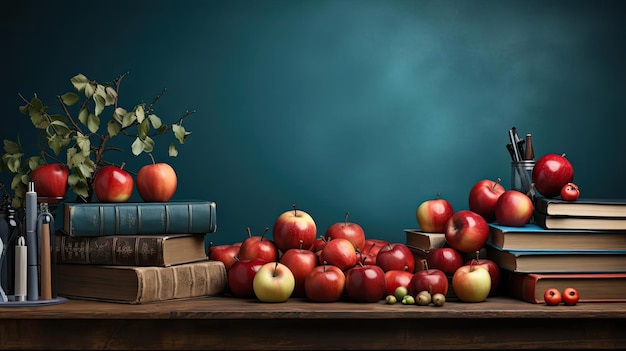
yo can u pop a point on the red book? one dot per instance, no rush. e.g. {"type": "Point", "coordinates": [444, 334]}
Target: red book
{"type": "Point", "coordinates": [592, 287]}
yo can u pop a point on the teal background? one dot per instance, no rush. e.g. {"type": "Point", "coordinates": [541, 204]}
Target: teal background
{"type": "Point", "coordinates": [363, 106]}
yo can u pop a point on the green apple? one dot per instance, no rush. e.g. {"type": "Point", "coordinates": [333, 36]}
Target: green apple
{"type": "Point", "coordinates": [471, 283]}
{"type": "Point", "coordinates": [273, 282]}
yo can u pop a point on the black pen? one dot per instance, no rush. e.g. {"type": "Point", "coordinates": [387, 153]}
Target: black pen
{"type": "Point", "coordinates": [517, 156]}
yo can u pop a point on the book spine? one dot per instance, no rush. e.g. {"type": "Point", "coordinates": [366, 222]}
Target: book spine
{"type": "Point", "coordinates": [98, 219]}
{"type": "Point", "coordinates": [131, 250]}
{"type": "Point", "coordinates": [522, 287]}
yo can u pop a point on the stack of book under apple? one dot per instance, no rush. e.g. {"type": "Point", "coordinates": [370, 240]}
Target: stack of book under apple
{"type": "Point", "coordinates": [579, 244]}
{"type": "Point", "coordinates": [137, 252]}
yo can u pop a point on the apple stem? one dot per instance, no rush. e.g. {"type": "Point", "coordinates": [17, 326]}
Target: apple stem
{"type": "Point", "coordinates": [151, 157]}
{"type": "Point", "coordinates": [122, 165]}
{"type": "Point", "coordinates": [264, 231]}
{"type": "Point", "coordinates": [477, 254]}
{"type": "Point", "coordinates": [249, 232]}
{"type": "Point", "coordinates": [275, 268]}
{"type": "Point", "coordinates": [295, 213]}
{"type": "Point", "coordinates": [346, 219]}
{"type": "Point", "coordinates": [301, 243]}
{"type": "Point", "coordinates": [496, 183]}
{"type": "Point", "coordinates": [406, 268]}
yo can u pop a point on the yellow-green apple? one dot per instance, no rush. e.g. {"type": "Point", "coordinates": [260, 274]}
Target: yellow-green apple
{"type": "Point", "coordinates": [241, 275]}
{"type": "Point", "coordinates": [294, 226]}
{"type": "Point", "coordinates": [273, 282]}
{"type": "Point", "coordinates": [550, 173]}
{"type": "Point", "coordinates": [395, 256]}
{"type": "Point", "coordinates": [466, 231]}
{"type": "Point", "coordinates": [258, 246]}
{"type": "Point", "coordinates": [325, 283]}
{"type": "Point", "coordinates": [446, 259]}
{"type": "Point", "coordinates": [113, 184]}
{"type": "Point", "coordinates": [492, 268]}
{"type": "Point", "coordinates": [50, 179]}
{"type": "Point", "coordinates": [483, 197]}
{"type": "Point", "coordinates": [432, 280]}
{"type": "Point", "coordinates": [300, 262]}
{"type": "Point", "coordinates": [433, 214]}
{"type": "Point", "coordinates": [366, 283]}
{"type": "Point", "coordinates": [226, 253]}
{"type": "Point", "coordinates": [339, 252]}
{"type": "Point", "coordinates": [347, 230]}
{"type": "Point", "coordinates": [471, 283]}
{"type": "Point", "coordinates": [395, 278]}
{"type": "Point", "coordinates": [514, 209]}
{"type": "Point", "coordinates": [156, 182]}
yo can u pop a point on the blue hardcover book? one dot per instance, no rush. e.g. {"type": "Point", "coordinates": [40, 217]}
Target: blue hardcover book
{"type": "Point", "coordinates": [534, 237]}
{"type": "Point", "coordinates": [136, 218]}
{"type": "Point", "coordinates": [558, 261]}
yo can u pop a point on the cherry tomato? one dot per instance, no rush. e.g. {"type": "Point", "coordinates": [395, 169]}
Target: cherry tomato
{"type": "Point", "coordinates": [552, 296]}
{"type": "Point", "coordinates": [570, 192]}
{"type": "Point", "coordinates": [570, 296]}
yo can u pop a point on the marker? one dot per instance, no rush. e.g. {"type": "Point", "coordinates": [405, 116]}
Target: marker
{"type": "Point", "coordinates": [21, 255]}
{"type": "Point", "coordinates": [31, 243]}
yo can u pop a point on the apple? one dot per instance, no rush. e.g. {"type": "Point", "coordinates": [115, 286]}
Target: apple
{"type": "Point", "coordinates": [325, 283]}
{"type": "Point", "coordinates": [466, 231]}
{"type": "Point", "coordinates": [294, 226]}
{"type": "Point", "coordinates": [373, 246]}
{"type": "Point", "coordinates": [258, 246]}
{"type": "Point", "coordinates": [550, 173]}
{"type": "Point", "coordinates": [347, 230]}
{"type": "Point", "coordinates": [339, 252]}
{"type": "Point", "coordinates": [241, 275]}
{"type": "Point", "coordinates": [471, 283]}
{"type": "Point", "coordinates": [225, 253]}
{"type": "Point", "coordinates": [50, 180]}
{"type": "Point", "coordinates": [113, 184]}
{"type": "Point", "coordinates": [514, 209]}
{"type": "Point", "coordinates": [483, 197]}
{"type": "Point", "coordinates": [433, 214]}
{"type": "Point", "coordinates": [273, 282]}
{"type": "Point", "coordinates": [446, 259]}
{"type": "Point", "coordinates": [432, 280]}
{"type": "Point", "coordinates": [365, 283]}
{"type": "Point", "coordinates": [301, 262]}
{"type": "Point", "coordinates": [318, 244]}
{"type": "Point", "coordinates": [395, 278]}
{"type": "Point", "coordinates": [156, 182]}
{"type": "Point", "coordinates": [366, 257]}
{"type": "Point", "coordinates": [395, 256]}
{"type": "Point", "coordinates": [492, 268]}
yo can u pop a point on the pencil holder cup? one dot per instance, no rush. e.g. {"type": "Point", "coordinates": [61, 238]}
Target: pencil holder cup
{"type": "Point", "coordinates": [522, 175]}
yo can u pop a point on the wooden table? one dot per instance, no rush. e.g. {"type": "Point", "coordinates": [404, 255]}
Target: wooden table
{"type": "Point", "coordinates": [231, 323]}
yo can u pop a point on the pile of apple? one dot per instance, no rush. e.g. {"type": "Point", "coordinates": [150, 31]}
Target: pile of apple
{"type": "Point", "coordinates": [344, 264]}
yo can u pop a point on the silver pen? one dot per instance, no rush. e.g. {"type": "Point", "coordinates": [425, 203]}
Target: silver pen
{"type": "Point", "coordinates": [31, 243]}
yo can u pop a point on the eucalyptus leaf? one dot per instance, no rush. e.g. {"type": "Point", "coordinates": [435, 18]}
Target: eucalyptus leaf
{"type": "Point", "coordinates": [111, 96]}
{"type": "Point", "coordinates": [155, 121]}
{"type": "Point", "coordinates": [129, 119]}
{"type": "Point", "coordinates": [83, 116]}
{"type": "Point", "coordinates": [140, 113]}
{"type": "Point", "coordinates": [113, 128]}
{"type": "Point", "coordinates": [93, 123]}
{"type": "Point", "coordinates": [11, 147]}
{"type": "Point", "coordinates": [99, 99]}
{"type": "Point", "coordinates": [143, 128]}
{"type": "Point", "coordinates": [89, 90]}
{"type": "Point", "coordinates": [180, 133]}
{"type": "Point", "coordinates": [172, 151]}
{"type": "Point", "coordinates": [79, 82]}
{"type": "Point", "coordinates": [69, 99]}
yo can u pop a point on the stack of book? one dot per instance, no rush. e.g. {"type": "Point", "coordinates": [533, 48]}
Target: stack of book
{"type": "Point", "coordinates": [137, 252]}
{"type": "Point", "coordinates": [579, 244]}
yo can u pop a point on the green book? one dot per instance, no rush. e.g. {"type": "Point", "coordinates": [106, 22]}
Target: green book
{"type": "Point", "coordinates": [135, 218]}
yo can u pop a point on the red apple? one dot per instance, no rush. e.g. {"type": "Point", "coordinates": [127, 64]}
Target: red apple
{"type": "Point", "coordinates": [273, 282]}
{"type": "Point", "coordinates": [241, 275]}
{"type": "Point", "coordinates": [50, 180]}
{"type": "Point", "coordinates": [113, 184]}
{"type": "Point", "coordinates": [433, 214]}
{"type": "Point", "coordinates": [347, 230]}
{"type": "Point", "coordinates": [339, 252]}
{"type": "Point", "coordinates": [466, 231]}
{"type": "Point", "coordinates": [395, 278]}
{"type": "Point", "coordinates": [492, 268]}
{"type": "Point", "coordinates": [373, 246]}
{"type": "Point", "coordinates": [325, 283]}
{"type": "Point", "coordinates": [446, 259]}
{"type": "Point", "coordinates": [225, 253]}
{"type": "Point", "coordinates": [318, 244]}
{"type": "Point", "coordinates": [156, 182]}
{"type": "Point", "coordinates": [366, 257]}
{"type": "Point", "coordinates": [395, 256]}
{"type": "Point", "coordinates": [258, 246]}
{"type": "Point", "coordinates": [301, 262]}
{"type": "Point", "coordinates": [432, 280]}
{"type": "Point", "coordinates": [294, 226]}
{"type": "Point", "coordinates": [471, 283]}
{"type": "Point", "coordinates": [550, 173]}
{"type": "Point", "coordinates": [365, 283]}
{"type": "Point", "coordinates": [514, 209]}
{"type": "Point", "coordinates": [483, 197]}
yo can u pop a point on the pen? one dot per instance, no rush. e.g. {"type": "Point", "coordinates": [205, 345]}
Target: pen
{"type": "Point", "coordinates": [43, 227]}
{"type": "Point", "coordinates": [21, 255]}
{"type": "Point", "coordinates": [31, 243]}
{"type": "Point", "coordinates": [516, 153]}
{"type": "Point", "coordinates": [518, 142]}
